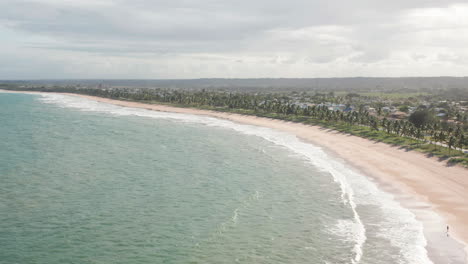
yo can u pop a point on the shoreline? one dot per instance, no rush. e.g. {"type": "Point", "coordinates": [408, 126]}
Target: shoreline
{"type": "Point", "coordinates": [421, 184]}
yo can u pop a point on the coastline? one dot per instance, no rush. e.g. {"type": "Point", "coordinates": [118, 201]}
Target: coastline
{"type": "Point", "coordinates": [419, 183]}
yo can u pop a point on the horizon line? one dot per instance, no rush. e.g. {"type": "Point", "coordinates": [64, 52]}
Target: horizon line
{"type": "Point", "coordinates": [227, 78]}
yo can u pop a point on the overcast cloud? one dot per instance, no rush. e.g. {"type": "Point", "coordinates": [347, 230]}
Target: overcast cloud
{"type": "Point", "coordinates": [232, 39]}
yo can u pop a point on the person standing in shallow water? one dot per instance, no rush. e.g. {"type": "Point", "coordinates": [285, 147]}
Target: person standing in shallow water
{"type": "Point", "coordinates": [447, 230]}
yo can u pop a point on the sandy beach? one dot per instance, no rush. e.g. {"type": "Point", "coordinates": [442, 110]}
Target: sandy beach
{"type": "Point", "coordinates": [420, 183]}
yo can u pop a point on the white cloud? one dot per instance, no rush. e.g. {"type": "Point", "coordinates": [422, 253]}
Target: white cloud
{"type": "Point", "coordinates": [191, 39]}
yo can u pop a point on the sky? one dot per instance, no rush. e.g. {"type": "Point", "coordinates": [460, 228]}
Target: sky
{"type": "Point", "coordinates": [144, 39]}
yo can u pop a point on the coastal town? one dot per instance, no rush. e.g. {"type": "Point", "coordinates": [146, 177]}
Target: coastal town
{"type": "Point", "coordinates": [451, 111]}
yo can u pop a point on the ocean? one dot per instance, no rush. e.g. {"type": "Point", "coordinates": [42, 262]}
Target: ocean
{"type": "Point", "coordinates": [89, 182]}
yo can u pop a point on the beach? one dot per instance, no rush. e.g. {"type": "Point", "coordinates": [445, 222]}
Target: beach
{"type": "Point", "coordinates": [420, 183]}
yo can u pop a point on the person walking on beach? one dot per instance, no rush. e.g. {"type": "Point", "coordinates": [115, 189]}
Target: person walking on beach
{"type": "Point", "coordinates": [447, 230]}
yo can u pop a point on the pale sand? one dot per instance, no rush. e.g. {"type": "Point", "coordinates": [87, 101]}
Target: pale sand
{"type": "Point", "coordinates": [417, 181]}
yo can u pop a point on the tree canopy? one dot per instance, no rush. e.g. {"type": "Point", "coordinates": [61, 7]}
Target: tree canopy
{"type": "Point", "coordinates": [421, 118]}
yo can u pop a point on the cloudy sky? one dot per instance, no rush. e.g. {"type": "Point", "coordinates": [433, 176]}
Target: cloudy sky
{"type": "Point", "coordinates": [232, 39]}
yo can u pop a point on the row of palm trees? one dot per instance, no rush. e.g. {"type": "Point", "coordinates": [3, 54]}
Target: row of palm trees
{"type": "Point", "coordinates": [435, 131]}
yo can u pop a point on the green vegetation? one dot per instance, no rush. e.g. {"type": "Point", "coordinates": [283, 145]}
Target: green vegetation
{"type": "Point", "coordinates": [421, 118]}
{"type": "Point", "coordinates": [388, 95]}
{"type": "Point", "coordinates": [351, 114]}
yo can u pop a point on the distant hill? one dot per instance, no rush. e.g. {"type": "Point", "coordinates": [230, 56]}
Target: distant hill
{"type": "Point", "coordinates": [272, 84]}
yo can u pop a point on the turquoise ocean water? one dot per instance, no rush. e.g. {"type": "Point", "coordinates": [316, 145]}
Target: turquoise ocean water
{"type": "Point", "coordinates": [87, 182]}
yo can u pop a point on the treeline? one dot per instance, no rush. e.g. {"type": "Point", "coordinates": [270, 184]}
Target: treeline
{"type": "Point", "coordinates": [417, 127]}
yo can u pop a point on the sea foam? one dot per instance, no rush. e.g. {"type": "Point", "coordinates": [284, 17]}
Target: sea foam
{"type": "Point", "coordinates": [400, 228]}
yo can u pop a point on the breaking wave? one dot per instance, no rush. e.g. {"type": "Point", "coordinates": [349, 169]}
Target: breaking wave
{"type": "Point", "coordinates": [401, 227]}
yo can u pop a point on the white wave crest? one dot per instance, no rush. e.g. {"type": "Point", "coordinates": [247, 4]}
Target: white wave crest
{"type": "Point", "coordinates": [402, 229]}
